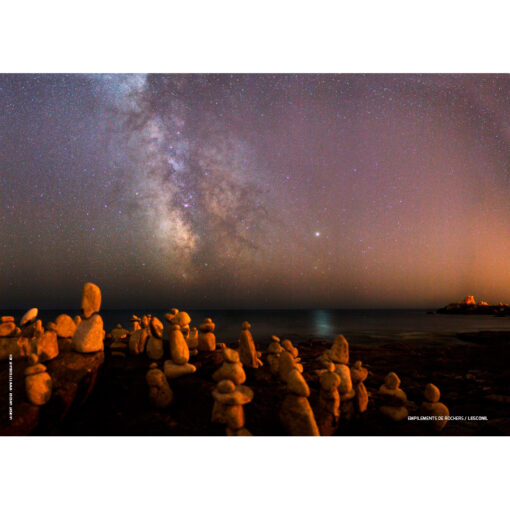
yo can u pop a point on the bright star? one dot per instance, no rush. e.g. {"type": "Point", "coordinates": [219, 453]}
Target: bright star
{"type": "Point", "coordinates": [317, 234]}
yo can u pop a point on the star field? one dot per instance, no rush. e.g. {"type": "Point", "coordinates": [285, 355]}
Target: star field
{"type": "Point", "coordinates": [276, 191]}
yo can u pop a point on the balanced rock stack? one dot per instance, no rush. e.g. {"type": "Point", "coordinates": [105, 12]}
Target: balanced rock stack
{"type": "Point", "coordinates": [160, 393]}
{"type": "Point", "coordinates": [178, 365]}
{"type": "Point", "coordinates": [138, 339]}
{"type": "Point", "coordinates": [155, 341]}
{"type": "Point", "coordinates": [231, 369]}
{"type": "Point", "coordinates": [286, 363]}
{"type": "Point", "coordinates": [31, 331]}
{"type": "Point", "coordinates": [119, 337]}
{"type": "Point", "coordinates": [274, 351]}
{"type": "Point", "coordinates": [89, 334]}
{"type": "Point", "coordinates": [9, 334]}
{"type": "Point", "coordinates": [339, 355]}
{"type": "Point", "coordinates": [183, 320]}
{"type": "Point", "coordinates": [206, 338]}
{"type": "Point", "coordinates": [393, 400]}
{"type": "Point", "coordinates": [432, 407]}
{"type": "Point", "coordinates": [359, 374]}
{"type": "Point", "coordinates": [38, 383]}
{"type": "Point", "coordinates": [229, 400]}
{"type": "Point", "coordinates": [329, 401]}
{"type": "Point", "coordinates": [192, 341]}
{"type": "Point", "coordinates": [296, 413]}
{"type": "Point", "coordinates": [247, 352]}
{"type": "Point", "coordinates": [135, 324]}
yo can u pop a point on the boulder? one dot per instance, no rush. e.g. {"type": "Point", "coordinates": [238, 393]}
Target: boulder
{"type": "Point", "coordinates": [65, 327]}
{"type": "Point", "coordinates": [173, 370]}
{"type": "Point", "coordinates": [160, 393]}
{"type": "Point", "coordinates": [89, 335]}
{"type": "Point", "coordinates": [29, 316]}
{"type": "Point", "coordinates": [179, 351]}
{"type": "Point", "coordinates": [47, 346]}
{"type": "Point", "coordinates": [90, 300]}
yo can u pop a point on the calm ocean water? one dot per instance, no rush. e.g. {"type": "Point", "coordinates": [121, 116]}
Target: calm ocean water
{"type": "Point", "coordinates": [363, 326]}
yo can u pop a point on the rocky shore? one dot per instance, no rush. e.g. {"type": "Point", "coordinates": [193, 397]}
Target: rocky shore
{"type": "Point", "coordinates": [71, 378]}
{"type": "Point", "coordinates": [474, 379]}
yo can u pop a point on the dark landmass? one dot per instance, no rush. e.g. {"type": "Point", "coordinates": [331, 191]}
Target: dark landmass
{"type": "Point", "coordinates": [468, 306]}
{"type": "Point", "coordinates": [473, 376]}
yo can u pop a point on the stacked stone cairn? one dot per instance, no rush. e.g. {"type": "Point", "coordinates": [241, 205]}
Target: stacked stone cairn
{"type": "Point", "coordinates": [339, 355]}
{"type": "Point", "coordinates": [38, 383]}
{"type": "Point", "coordinates": [179, 352]}
{"type": "Point", "coordinates": [392, 399]}
{"type": "Point", "coordinates": [296, 413]}
{"type": "Point", "coordinates": [274, 351]}
{"type": "Point", "coordinates": [247, 351]}
{"type": "Point", "coordinates": [154, 347]}
{"type": "Point", "coordinates": [230, 395]}
{"type": "Point", "coordinates": [192, 341]}
{"type": "Point", "coordinates": [206, 337]}
{"type": "Point", "coordinates": [31, 330]}
{"type": "Point", "coordinates": [359, 375]}
{"type": "Point", "coordinates": [160, 393]}
{"type": "Point", "coordinates": [135, 324]}
{"type": "Point", "coordinates": [329, 401]}
{"type": "Point", "coordinates": [119, 337]}
{"type": "Point", "coordinates": [432, 407]}
{"type": "Point", "coordinates": [289, 355]}
{"type": "Point", "coordinates": [138, 338]}
{"type": "Point", "coordinates": [89, 335]}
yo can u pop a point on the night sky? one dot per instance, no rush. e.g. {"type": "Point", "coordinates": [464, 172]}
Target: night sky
{"type": "Point", "coordinates": [263, 191]}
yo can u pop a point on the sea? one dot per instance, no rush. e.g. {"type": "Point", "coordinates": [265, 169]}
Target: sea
{"type": "Point", "coordinates": [360, 326]}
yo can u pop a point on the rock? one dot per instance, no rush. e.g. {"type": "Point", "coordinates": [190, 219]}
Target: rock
{"type": "Point", "coordinates": [329, 401]}
{"type": "Point", "coordinates": [206, 337]}
{"type": "Point", "coordinates": [171, 315]}
{"type": "Point", "coordinates": [228, 405]}
{"type": "Point", "coordinates": [77, 320]}
{"type": "Point", "coordinates": [296, 384]}
{"type": "Point", "coordinates": [29, 316]}
{"type": "Point", "coordinates": [287, 363]}
{"type": "Point", "coordinates": [38, 384]}
{"type": "Point", "coordinates": [178, 347]}
{"type": "Point", "coordinates": [89, 335]}
{"type": "Point", "coordinates": [432, 393]}
{"type": "Point", "coordinates": [287, 345]}
{"type": "Point", "coordinates": [160, 393]}
{"type": "Point", "coordinates": [138, 341]}
{"type": "Point", "coordinates": [118, 346]}
{"type": "Point", "coordinates": [432, 407]}
{"type": "Point", "coordinates": [247, 351]}
{"type": "Point", "coordinates": [154, 348]}
{"type": "Point", "coordinates": [7, 329]}
{"type": "Point", "coordinates": [274, 351]}
{"type": "Point", "coordinates": [47, 346]}
{"type": "Point", "coordinates": [339, 352]}
{"type": "Point", "coordinates": [118, 333]}
{"type": "Point", "coordinates": [297, 416]}
{"type": "Point", "coordinates": [393, 399]}
{"type": "Point", "coordinates": [359, 374]}
{"type": "Point", "coordinates": [10, 346]}
{"type": "Point", "coordinates": [231, 369]}
{"type": "Point", "coordinates": [156, 327]}
{"type": "Point", "coordinates": [90, 300]}
{"type": "Point", "coordinates": [65, 327]}
{"type": "Point", "coordinates": [192, 341]}
{"type": "Point", "coordinates": [6, 318]}
{"type": "Point", "coordinates": [135, 323]}
{"type": "Point", "coordinates": [345, 388]}
{"type": "Point", "coordinates": [173, 371]}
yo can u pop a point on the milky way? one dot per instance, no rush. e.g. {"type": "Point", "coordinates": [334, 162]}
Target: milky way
{"type": "Point", "coordinates": [254, 190]}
